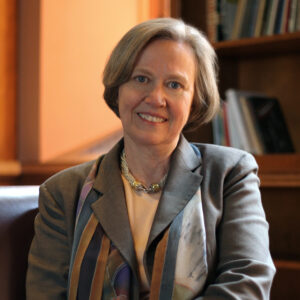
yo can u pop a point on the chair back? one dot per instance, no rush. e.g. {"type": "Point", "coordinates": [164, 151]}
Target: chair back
{"type": "Point", "coordinates": [18, 208]}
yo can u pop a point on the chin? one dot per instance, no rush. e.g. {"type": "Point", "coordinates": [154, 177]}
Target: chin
{"type": "Point", "coordinates": [148, 139]}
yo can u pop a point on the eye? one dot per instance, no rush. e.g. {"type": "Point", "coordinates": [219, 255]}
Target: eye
{"type": "Point", "coordinates": [174, 85]}
{"type": "Point", "coordinates": [141, 79]}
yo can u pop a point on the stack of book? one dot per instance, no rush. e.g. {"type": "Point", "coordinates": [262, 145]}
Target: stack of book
{"type": "Point", "coordinates": [252, 18]}
{"type": "Point", "coordinates": [252, 122]}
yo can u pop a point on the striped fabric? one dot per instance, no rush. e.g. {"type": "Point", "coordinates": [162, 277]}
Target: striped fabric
{"type": "Point", "coordinates": [98, 271]}
{"type": "Point", "coordinates": [93, 244]}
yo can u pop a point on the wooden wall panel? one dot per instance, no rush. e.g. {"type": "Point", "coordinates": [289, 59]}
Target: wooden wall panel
{"type": "Point", "coordinates": [282, 211]}
{"type": "Point", "coordinates": [8, 80]}
{"type": "Point", "coordinates": [160, 8]}
{"type": "Point", "coordinates": [28, 79]}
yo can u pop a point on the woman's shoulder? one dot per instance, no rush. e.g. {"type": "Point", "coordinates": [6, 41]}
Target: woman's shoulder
{"type": "Point", "coordinates": [68, 181]}
{"type": "Point", "coordinates": [75, 172]}
{"type": "Point", "coordinates": [225, 157]}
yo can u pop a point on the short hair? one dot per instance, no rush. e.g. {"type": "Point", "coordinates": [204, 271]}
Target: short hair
{"type": "Point", "coordinates": [121, 63]}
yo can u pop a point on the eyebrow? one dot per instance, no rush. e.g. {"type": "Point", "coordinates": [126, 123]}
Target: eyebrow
{"type": "Point", "coordinates": [176, 76]}
{"type": "Point", "coordinates": [142, 70]}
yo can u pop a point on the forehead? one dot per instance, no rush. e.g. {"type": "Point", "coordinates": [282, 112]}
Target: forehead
{"type": "Point", "coordinates": [168, 54]}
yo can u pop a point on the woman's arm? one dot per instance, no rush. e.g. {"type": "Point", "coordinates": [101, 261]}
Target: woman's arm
{"type": "Point", "coordinates": [49, 256]}
{"type": "Point", "coordinates": [244, 266]}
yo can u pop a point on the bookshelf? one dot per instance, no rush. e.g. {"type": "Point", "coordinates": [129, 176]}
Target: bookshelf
{"type": "Point", "coordinates": [267, 64]}
{"type": "Point", "coordinates": [276, 44]}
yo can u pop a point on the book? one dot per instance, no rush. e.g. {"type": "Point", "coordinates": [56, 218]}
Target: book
{"type": "Point", "coordinates": [255, 123]}
{"type": "Point", "coordinates": [249, 20]}
{"type": "Point", "coordinates": [279, 17]}
{"type": "Point", "coordinates": [220, 126]}
{"type": "Point", "coordinates": [293, 15]}
{"type": "Point", "coordinates": [243, 128]}
{"type": "Point", "coordinates": [266, 17]}
{"type": "Point", "coordinates": [219, 28]}
{"type": "Point", "coordinates": [237, 27]}
{"type": "Point", "coordinates": [228, 11]}
{"type": "Point", "coordinates": [212, 19]}
{"type": "Point", "coordinates": [272, 125]}
{"type": "Point", "coordinates": [256, 139]}
{"type": "Point", "coordinates": [253, 18]}
{"type": "Point", "coordinates": [271, 17]}
{"type": "Point", "coordinates": [285, 16]}
{"type": "Point", "coordinates": [237, 127]}
{"type": "Point", "coordinates": [259, 18]}
{"type": "Point", "coordinates": [297, 25]}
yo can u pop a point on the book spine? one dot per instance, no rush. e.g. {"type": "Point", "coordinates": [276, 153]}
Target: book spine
{"type": "Point", "coordinates": [271, 123]}
{"type": "Point", "coordinates": [272, 17]}
{"type": "Point", "coordinates": [249, 18]}
{"type": "Point", "coordinates": [259, 19]}
{"type": "Point", "coordinates": [254, 16]}
{"type": "Point", "coordinates": [297, 26]}
{"type": "Point", "coordinates": [237, 128]}
{"type": "Point", "coordinates": [238, 19]}
{"type": "Point", "coordinates": [228, 11]}
{"type": "Point", "coordinates": [293, 16]}
{"type": "Point", "coordinates": [266, 17]}
{"type": "Point", "coordinates": [212, 19]}
{"type": "Point", "coordinates": [257, 146]}
{"type": "Point", "coordinates": [217, 126]}
{"type": "Point", "coordinates": [279, 17]}
{"type": "Point", "coordinates": [286, 16]}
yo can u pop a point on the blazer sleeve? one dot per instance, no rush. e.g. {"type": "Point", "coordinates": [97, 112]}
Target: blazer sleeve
{"type": "Point", "coordinates": [49, 256]}
{"type": "Point", "coordinates": [244, 265]}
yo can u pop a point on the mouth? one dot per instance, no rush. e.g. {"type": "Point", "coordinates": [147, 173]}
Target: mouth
{"type": "Point", "coordinates": [150, 118]}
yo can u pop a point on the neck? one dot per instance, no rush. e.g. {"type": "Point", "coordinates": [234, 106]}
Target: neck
{"type": "Point", "coordinates": [148, 163]}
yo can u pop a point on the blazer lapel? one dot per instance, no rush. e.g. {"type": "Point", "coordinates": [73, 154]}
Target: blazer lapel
{"type": "Point", "coordinates": [182, 183]}
{"type": "Point", "coordinates": [110, 208]}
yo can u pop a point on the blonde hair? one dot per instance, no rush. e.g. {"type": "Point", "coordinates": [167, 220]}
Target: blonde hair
{"type": "Point", "coordinates": [121, 63]}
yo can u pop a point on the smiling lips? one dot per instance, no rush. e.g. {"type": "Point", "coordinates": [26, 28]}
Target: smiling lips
{"type": "Point", "coordinates": [151, 118]}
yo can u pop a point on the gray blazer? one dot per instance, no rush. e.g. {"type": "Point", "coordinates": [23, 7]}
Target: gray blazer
{"type": "Point", "coordinates": [237, 244]}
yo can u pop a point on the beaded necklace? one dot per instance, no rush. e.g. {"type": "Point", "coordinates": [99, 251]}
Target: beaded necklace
{"type": "Point", "coordinates": [135, 184]}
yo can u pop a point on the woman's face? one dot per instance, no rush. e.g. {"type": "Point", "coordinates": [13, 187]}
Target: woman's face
{"type": "Point", "coordinates": [154, 105]}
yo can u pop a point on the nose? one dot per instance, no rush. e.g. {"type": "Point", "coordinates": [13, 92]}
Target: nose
{"type": "Point", "coordinates": [156, 96]}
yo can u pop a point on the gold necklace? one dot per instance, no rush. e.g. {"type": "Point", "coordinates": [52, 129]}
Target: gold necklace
{"type": "Point", "coordinates": [135, 184]}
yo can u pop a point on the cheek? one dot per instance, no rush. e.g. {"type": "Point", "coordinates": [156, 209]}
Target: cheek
{"type": "Point", "coordinates": [128, 97]}
{"type": "Point", "coordinates": [184, 113]}
{"type": "Point", "coordinates": [123, 100]}
{"type": "Point", "coordinates": [181, 114]}
{"type": "Point", "coordinates": [186, 107]}
{"type": "Point", "coordinates": [190, 103]}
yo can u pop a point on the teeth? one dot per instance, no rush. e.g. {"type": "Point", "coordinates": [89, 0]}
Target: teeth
{"type": "Point", "coordinates": [151, 118]}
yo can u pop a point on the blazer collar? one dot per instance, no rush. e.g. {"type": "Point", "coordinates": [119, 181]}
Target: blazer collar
{"type": "Point", "coordinates": [182, 183]}
{"type": "Point", "coordinates": [110, 208]}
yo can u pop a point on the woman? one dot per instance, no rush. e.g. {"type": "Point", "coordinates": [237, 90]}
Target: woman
{"type": "Point", "coordinates": [156, 217]}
